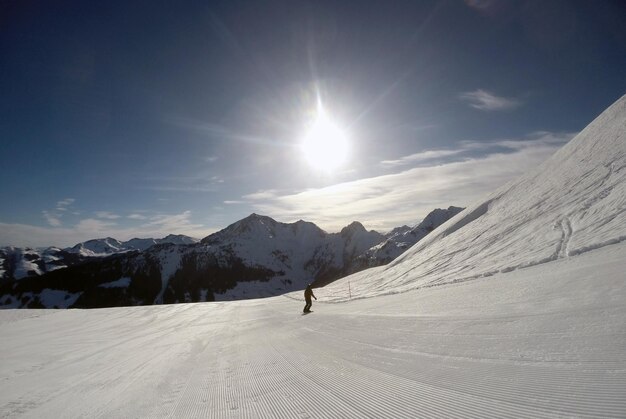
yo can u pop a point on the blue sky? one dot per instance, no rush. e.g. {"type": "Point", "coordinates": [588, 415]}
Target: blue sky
{"type": "Point", "coordinates": [143, 118]}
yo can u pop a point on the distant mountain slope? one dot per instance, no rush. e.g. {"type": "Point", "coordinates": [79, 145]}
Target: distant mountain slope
{"type": "Point", "coordinates": [109, 246]}
{"type": "Point", "coordinates": [402, 239]}
{"type": "Point", "coordinates": [253, 257]}
{"type": "Point", "coordinates": [572, 203]}
{"type": "Point", "coordinates": [18, 263]}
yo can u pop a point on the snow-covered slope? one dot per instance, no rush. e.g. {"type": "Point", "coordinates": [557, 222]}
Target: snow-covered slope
{"type": "Point", "coordinates": [109, 245]}
{"type": "Point", "coordinates": [17, 263]}
{"type": "Point", "coordinates": [402, 238]}
{"type": "Point", "coordinates": [260, 240]}
{"type": "Point", "coordinates": [543, 342]}
{"type": "Point", "coordinates": [98, 247]}
{"type": "Point", "coordinates": [177, 239]}
{"type": "Point", "coordinates": [290, 255]}
{"type": "Point", "coordinates": [574, 202]}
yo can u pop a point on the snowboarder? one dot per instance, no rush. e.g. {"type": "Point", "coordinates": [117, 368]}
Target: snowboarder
{"type": "Point", "coordinates": [308, 293]}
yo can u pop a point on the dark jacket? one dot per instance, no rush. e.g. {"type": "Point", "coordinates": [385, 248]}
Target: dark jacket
{"type": "Point", "coordinates": [308, 293]}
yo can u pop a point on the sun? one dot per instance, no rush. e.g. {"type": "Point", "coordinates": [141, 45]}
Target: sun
{"type": "Point", "coordinates": [324, 145]}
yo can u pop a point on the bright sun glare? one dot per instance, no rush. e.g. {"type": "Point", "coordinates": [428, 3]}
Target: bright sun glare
{"type": "Point", "coordinates": [325, 146]}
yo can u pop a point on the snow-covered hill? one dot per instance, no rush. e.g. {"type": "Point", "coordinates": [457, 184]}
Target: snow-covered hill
{"type": "Point", "coordinates": [572, 203]}
{"type": "Point", "coordinates": [528, 319]}
{"type": "Point", "coordinates": [402, 238]}
{"type": "Point", "coordinates": [296, 253]}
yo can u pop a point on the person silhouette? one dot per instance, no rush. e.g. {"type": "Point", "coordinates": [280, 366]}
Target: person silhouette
{"type": "Point", "coordinates": [308, 293]}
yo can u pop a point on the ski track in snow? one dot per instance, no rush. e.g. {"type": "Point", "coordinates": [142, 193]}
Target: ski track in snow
{"type": "Point", "coordinates": [566, 234]}
{"type": "Point", "coordinates": [546, 341]}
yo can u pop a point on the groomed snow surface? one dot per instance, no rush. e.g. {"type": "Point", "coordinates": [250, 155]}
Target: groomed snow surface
{"type": "Point", "coordinates": [544, 341]}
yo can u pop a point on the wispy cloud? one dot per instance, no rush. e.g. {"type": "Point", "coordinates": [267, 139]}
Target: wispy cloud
{"type": "Point", "coordinates": [94, 225]}
{"type": "Point", "coordinates": [481, 4]}
{"type": "Point", "coordinates": [264, 194]}
{"type": "Point", "coordinates": [487, 101]}
{"type": "Point", "coordinates": [158, 225]}
{"type": "Point", "coordinates": [385, 202]}
{"type": "Point", "coordinates": [52, 219]}
{"type": "Point", "coordinates": [172, 222]}
{"type": "Point", "coordinates": [107, 215]}
{"type": "Point", "coordinates": [222, 132]}
{"type": "Point", "coordinates": [64, 204]}
{"type": "Point", "coordinates": [234, 202]}
{"type": "Point", "coordinates": [198, 182]}
{"type": "Point", "coordinates": [421, 157]}
{"type": "Point", "coordinates": [464, 148]}
{"type": "Point", "coordinates": [137, 217]}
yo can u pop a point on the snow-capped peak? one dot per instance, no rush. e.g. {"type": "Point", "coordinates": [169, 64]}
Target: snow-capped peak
{"type": "Point", "coordinates": [109, 245]}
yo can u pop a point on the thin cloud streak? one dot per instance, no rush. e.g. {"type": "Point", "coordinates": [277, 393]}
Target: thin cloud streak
{"type": "Point", "coordinates": [535, 139]}
{"type": "Point", "coordinates": [52, 219]}
{"type": "Point", "coordinates": [487, 101]}
{"type": "Point", "coordinates": [420, 157]}
{"type": "Point", "coordinates": [222, 132]}
{"type": "Point", "coordinates": [107, 215]}
{"type": "Point", "coordinates": [156, 226]}
{"type": "Point", "coordinates": [481, 4]}
{"type": "Point", "coordinates": [385, 202]}
{"type": "Point", "coordinates": [63, 204]}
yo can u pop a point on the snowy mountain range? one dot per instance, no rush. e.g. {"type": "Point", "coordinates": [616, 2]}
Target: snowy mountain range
{"type": "Point", "coordinates": [18, 263]}
{"type": "Point", "coordinates": [254, 257]}
{"type": "Point", "coordinates": [402, 238]}
{"type": "Point", "coordinates": [109, 246]}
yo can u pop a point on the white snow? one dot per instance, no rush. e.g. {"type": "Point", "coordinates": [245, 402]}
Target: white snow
{"type": "Point", "coordinates": [170, 258]}
{"type": "Point", "coordinates": [109, 245]}
{"type": "Point", "coordinates": [549, 340]}
{"type": "Point", "coordinates": [120, 283]}
{"type": "Point", "coordinates": [98, 247]}
{"type": "Point", "coordinates": [246, 289]}
{"type": "Point", "coordinates": [527, 319]}
{"type": "Point", "coordinates": [25, 267]}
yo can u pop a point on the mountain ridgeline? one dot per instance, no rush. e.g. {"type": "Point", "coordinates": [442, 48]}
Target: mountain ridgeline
{"type": "Point", "coordinates": [254, 257]}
